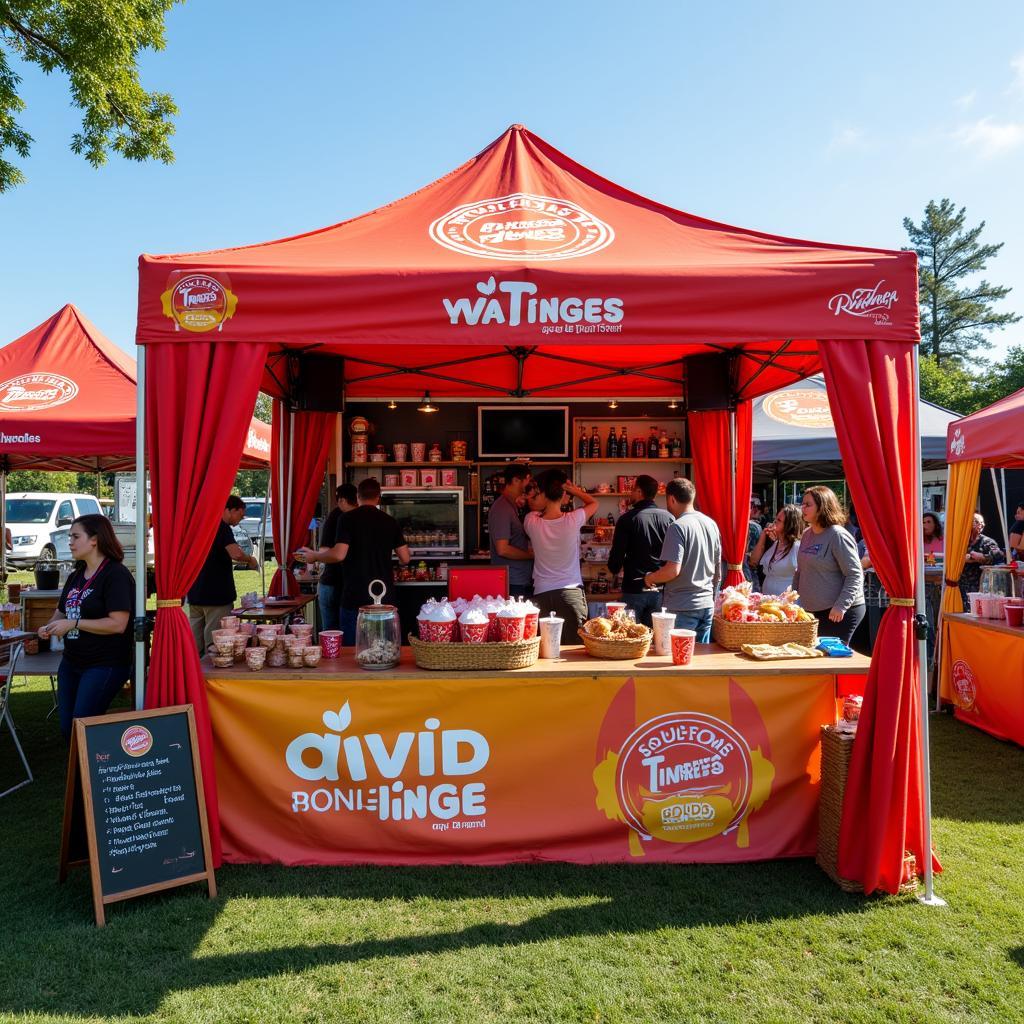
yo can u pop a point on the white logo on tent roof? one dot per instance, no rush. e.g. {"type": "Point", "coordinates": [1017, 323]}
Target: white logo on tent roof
{"type": "Point", "coordinates": [31, 392]}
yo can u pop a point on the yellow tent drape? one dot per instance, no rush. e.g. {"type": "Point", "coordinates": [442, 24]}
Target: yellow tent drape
{"type": "Point", "coordinates": [961, 500]}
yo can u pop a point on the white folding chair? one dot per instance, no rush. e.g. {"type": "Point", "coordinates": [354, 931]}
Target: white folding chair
{"type": "Point", "coordinates": [7, 671]}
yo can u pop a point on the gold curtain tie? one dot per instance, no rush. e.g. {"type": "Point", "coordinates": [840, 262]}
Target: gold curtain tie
{"type": "Point", "coordinates": [173, 602]}
{"type": "Point", "coordinates": [730, 565]}
{"type": "Point", "coordinates": [903, 602]}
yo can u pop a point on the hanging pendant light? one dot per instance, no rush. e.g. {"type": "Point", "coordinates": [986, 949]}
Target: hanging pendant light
{"type": "Point", "coordinates": [392, 404]}
{"type": "Point", "coordinates": [613, 404]}
{"type": "Point", "coordinates": [426, 405]}
{"type": "Point", "coordinates": [673, 404]}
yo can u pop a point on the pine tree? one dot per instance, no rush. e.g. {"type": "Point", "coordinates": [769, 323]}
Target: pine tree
{"type": "Point", "coordinates": [955, 315]}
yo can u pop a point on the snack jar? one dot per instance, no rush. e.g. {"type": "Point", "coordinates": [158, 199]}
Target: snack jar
{"type": "Point", "coordinates": [378, 632]}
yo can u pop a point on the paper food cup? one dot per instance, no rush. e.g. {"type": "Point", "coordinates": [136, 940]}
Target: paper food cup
{"type": "Point", "coordinates": [474, 632]}
{"type": "Point", "coordinates": [551, 637]}
{"type": "Point", "coordinates": [614, 606]}
{"type": "Point", "coordinates": [330, 643]}
{"type": "Point", "coordinates": [492, 628]}
{"type": "Point", "coordinates": [974, 598]}
{"type": "Point", "coordinates": [682, 646]}
{"type": "Point", "coordinates": [510, 628]}
{"type": "Point", "coordinates": [255, 658]}
{"type": "Point", "coordinates": [530, 625]}
{"type": "Point", "coordinates": [230, 623]}
{"type": "Point", "coordinates": [1014, 614]}
{"type": "Point", "coordinates": [311, 656]}
{"type": "Point", "coordinates": [437, 632]}
{"type": "Point", "coordinates": [663, 622]}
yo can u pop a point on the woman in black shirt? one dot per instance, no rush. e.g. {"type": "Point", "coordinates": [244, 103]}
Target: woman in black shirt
{"type": "Point", "coordinates": [93, 616]}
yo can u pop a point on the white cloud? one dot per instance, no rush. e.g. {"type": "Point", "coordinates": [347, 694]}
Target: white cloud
{"type": "Point", "coordinates": [1018, 73]}
{"type": "Point", "coordinates": [989, 138]}
{"type": "Point", "coordinates": [966, 101]}
{"type": "Point", "coordinates": [846, 138]}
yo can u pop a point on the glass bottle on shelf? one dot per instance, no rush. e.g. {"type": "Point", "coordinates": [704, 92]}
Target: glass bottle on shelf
{"type": "Point", "coordinates": [663, 446]}
{"type": "Point", "coordinates": [582, 446]}
{"type": "Point", "coordinates": [639, 448]}
{"type": "Point", "coordinates": [612, 450]}
{"type": "Point", "coordinates": [652, 444]}
{"type": "Point", "coordinates": [677, 446]}
{"type": "Point", "coordinates": [623, 444]}
{"type": "Point", "coordinates": [595, 445]}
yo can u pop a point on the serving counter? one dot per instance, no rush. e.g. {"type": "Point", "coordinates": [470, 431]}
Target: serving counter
{"type": "Point", "coordinates": [983, 669]}
{"type": "Point", "coordinates": [575, 760]}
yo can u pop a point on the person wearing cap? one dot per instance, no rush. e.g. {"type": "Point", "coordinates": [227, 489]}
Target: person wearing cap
{"type": "Point", "coordinates": [636, 548]}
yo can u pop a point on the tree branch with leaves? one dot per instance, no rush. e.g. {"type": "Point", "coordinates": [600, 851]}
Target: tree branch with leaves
{"type": "Point", "coordinates": [95, 43]}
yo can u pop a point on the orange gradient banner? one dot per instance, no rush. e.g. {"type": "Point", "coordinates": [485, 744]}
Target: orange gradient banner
{"type": "Point", "coordinates": [986, 677]}
{"type": "Point", "coordinates": [491, 771]}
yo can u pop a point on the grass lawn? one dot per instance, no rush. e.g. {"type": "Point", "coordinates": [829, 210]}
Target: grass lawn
{"type": "Point", "coordinates": [751, 943]}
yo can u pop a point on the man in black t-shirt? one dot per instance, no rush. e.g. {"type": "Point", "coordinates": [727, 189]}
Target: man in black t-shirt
{"type": "Point", "coordinates": [364, 541]}
{"type": "Point", "coordinates": [213, 594]}
{"type": "Point", "coordinates": [329, 590]}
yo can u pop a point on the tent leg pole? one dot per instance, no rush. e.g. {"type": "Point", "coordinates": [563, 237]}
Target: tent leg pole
{"type": "Point", "coordinates": [938, 625]}
{"type": "Point", "coordinates": [3, 523]}
{"type": "Point", "coordinates": [141, 545]}
{"type": "Point", "coordinates": [1001, 509]}
{"type": "Point", "coordinates": [929, 898]}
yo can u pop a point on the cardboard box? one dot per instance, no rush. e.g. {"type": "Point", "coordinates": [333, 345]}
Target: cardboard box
{"type": "Point", "coordinates": [449, 477]}
{"type": "Point", "coordinates": [410, 478]}
{"type": "Point", "coordinates": [429, 477]}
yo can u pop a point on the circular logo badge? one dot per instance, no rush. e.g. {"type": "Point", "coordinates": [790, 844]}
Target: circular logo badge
{"type": "Point", "coordinates": [198, 302]}
{"type": "Point", "coordinates": [799, 407]}
{"type": "Point", "coordinates": [136, 740]}
{"type": "Point", "coordinates": [521, 226]}
{"type": "Point", "coordinates": [684, 777]}
{"type": "Point", "coordinates": [964, 686]}
{"type": "Point", "coordinates": [34, 391]}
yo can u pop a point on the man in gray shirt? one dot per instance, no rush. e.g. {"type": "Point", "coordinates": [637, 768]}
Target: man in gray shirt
{"type": "Point", "coordinates": [509, 543]}
{"type": "Point", "coordinates": [692, 554]}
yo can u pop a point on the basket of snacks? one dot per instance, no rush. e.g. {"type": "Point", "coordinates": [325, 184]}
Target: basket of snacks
{"type": "Point", "coordinates": [615, 639]}
{"type": "Point", "coordinates": [482, 633]}
{"type": "Point", "coordinates": [745, 617]}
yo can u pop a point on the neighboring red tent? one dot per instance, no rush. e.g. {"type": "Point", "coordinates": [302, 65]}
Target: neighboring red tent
{"type": "Point", "coordinates": [67, 402]}
{"type": "Point", "coordinates": [992, 435]}
{"type": "Point", "coordinates": [523, 274]}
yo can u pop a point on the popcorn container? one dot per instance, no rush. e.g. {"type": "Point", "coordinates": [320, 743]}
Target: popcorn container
{"type": "Point", "coordinates": [311, 656]}
{"type": "Point", "coordinates": [530, 625]}
{"type": "Point", "coordinates": [437, 632]}
{"type": "Point", "coordinates": [510, 627]}
{"type": "Point", "coordinates": [230, 623]}
{"type": "Point", "coordinates": [614, 606]}
{"type": "Point", "coordinates": [419, 451]}
{"type": "Point", "coordinates": [330, 643]}
{"type": "Point", "coordinates": [682, 645]}
{"type": "Point", "coordinates": [493, 636]}
{"type": "Point", "coordinates": [474, 632]}
{"type": "Point", "coordinates": [255, 658]}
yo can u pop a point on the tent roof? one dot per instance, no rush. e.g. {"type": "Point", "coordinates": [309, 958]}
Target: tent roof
{"type": "Point", "coordinates": [67, 400]}
{"type": "Point", "coordinates": [547, 278]}
{"type": "Point", "coordinates": [994, 434]}
{"type": "Point", "coordinates": [794, 425]}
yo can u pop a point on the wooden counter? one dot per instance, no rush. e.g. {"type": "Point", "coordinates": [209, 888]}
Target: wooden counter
{"type": "Point", "coordinates": [709, 659]}
{"type": "Point", "coordinates": [989, 625]}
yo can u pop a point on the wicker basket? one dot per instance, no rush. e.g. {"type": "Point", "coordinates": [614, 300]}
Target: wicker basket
{"type": "Point", "coordinates": [732, 635]}
{"type": "Point", "coordinates": [614, 649]}
{"type": "Point", "coordinates": [471, 657]}
{"type": "Point", "coordinates": [836, 754]}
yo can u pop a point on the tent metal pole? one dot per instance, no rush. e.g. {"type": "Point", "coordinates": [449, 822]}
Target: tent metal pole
{"type": "Point", "coordinates": [929, 898]}
{"type": "Point", "coordinates": [286, 580]}
{"type": "Point", "coordinates": [3, 522]}
{"type": "Point", "coordinates": [263, 539]}
{"type": "Point", "coordinates": [1000, 508]}
{"type": "Point", "coordinates": [141, 509]}
{"type": "Point", "coordinates": [938, 624]}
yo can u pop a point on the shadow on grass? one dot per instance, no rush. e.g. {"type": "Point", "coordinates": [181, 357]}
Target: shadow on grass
{"type": "Point", "coordinates": [1017, 955]}
{"type": "Point", "coordinates": [994, 768]}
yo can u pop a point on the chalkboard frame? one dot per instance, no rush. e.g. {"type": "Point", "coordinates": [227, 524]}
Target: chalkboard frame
{"type": "Point", "coordinates": [79, 775]}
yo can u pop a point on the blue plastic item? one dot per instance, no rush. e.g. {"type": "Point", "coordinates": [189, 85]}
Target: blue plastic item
{"type": "Point", "coordinates": [833, 647]}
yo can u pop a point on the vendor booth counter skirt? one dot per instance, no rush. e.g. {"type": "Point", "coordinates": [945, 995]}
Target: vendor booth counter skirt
{"type": "Point", "coordinates": [701, 769]}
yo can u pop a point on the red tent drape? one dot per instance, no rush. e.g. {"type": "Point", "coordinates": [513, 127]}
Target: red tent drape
{"type": "Point", "coordinates": [714, 437]}
{"type": "Point", "coordinates": [876, 424]}
{"type": "Point", "coordinates": [301, 441]}
{"type": "Point", "coordinates": [199, 403]}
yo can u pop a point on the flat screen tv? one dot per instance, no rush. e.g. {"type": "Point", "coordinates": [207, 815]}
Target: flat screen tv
{"type": "Point", "coordinates": [512, 431]}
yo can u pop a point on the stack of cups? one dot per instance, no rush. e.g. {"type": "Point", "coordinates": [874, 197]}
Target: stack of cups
{"type": "Point", "coordinates": [551, 636]}
{"type": "Point", "coordinates": [473, 626]}
{"type": "Point", "coordinates": [530, 622]}
{"type": "Point", "coordinates": [664, 621]}
{"type": "Point", "coordinates": [511, 621]}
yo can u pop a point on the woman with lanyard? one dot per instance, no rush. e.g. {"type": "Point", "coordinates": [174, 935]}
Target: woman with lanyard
{"type": "Point", "coordinates": [781, 537]}
{"type": "Point", "coordinates": [94, 617]}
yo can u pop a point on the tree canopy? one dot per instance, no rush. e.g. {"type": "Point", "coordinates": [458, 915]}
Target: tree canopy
{"type": "Point", "coordinates": [96, 44]}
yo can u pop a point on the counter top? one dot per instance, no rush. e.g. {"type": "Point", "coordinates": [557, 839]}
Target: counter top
{"type": "Point", "coordinates": [994, 625]}
{"type": "Point", "coordinates": [708, 659]}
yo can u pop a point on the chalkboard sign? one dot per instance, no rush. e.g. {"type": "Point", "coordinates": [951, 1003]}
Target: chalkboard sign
{"type": "Point", "coordinates": [135, 794]}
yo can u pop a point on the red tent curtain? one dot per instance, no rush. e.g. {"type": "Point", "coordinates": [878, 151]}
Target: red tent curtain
{"type": "Point", "coordinates": [874, 405]}
{"type": "Point", "coordinates": [301, 441]}
{"type": "Point", "coordinates": [716, 439]}
{"type": "Point", "coordinates": [199, 400]}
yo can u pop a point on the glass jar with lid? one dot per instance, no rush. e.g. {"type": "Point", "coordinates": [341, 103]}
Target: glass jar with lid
{"type": "Point", "coordinates": [378, 632]}
{"type": "Point", "coordinates": [997, 580]}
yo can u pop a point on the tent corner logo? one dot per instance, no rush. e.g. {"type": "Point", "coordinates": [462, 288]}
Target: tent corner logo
{"type": "Point", "coordinates": [32, 392]}
{"type": "Point", "coordinates": [198, 302]}
{"type": "Point", "coordinates": [958, 443]}
{"type": "Point", "coordinates": [799, 407]}
{"type": "Point", "coordinates": [964, 687]}
{"type": "Point", "coordinates": [521, 226]}
{"type": "Point", "coordinates": [873, 303]}
{"type": "Point", "coordinates": [136, 740]}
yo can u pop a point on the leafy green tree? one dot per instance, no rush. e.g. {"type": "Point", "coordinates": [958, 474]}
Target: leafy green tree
{"type": "Point", "coordinates": [1004, 378]}
{"type": "Point", "coordinates": [35, 480]}
{"type": "Point", "coordinates": [96, 44]}
{"type": "Point", "coordinates": [949, 385]}
{"type": "Point", "coordinates": [955, 315]}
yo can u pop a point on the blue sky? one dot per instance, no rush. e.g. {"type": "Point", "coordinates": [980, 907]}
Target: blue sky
{"type": "Point", "coordinates": [821, 121]}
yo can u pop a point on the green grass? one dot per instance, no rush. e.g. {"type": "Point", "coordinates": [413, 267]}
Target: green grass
{"type": "Point", "coordinates": [748, 943]}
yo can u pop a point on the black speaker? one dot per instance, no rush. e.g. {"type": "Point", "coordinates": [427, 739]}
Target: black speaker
{"type": "Point", "coordinates": [709, 382]}
{"type": "Point", "coordinates": [317, 382]}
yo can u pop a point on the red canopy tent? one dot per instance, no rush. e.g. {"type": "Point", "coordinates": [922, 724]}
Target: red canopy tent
{"type": "Point", "coordinates": [67, 402]}
{"type": "Point", "coordinates": [523, 274]}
